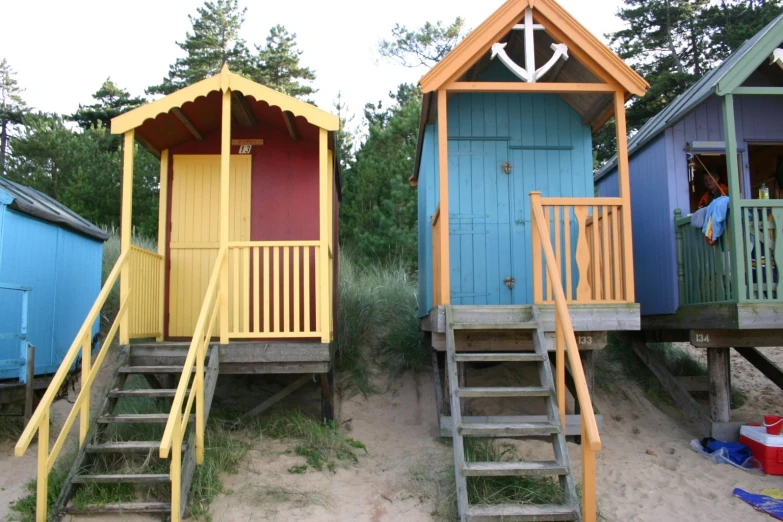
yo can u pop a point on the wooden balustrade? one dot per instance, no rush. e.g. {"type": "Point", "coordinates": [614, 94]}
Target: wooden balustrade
{"type": "Point", "coordinates": [144, 316]}
{"type": "Point", "coordinates": [761, 224]}
{"type": "Point", "coordinates": [274, 290]}
{"type": "Point", "coordinates": [589, 251]}
{"type": "Point", "coordinates": [703, 271]}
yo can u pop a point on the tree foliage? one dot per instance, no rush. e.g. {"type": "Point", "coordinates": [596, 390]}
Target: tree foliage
{"type": "Point", "coordinates": [424, 46]}
{"type": "Point", "coordinates": [214, 41]}
{"type": "Point", "coordinates": [110, 101]}
{"type": "Point", "coordinates": [12, 108]}
{"type": "Point", "coordinates": [673, 43]}
{"type": "Point", "coordinates": [277, 65]}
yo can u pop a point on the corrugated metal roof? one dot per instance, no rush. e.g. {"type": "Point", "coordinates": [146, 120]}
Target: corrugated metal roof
{"type": "Point", "coordinates": [37, 204]}
{"type": "Point", "coordinates": [688, 101]}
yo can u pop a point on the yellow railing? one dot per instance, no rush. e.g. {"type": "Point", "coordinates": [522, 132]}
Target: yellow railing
{"type": "Point", "coordinates": [179, 418]}
{"type": "Point", "coordinates": [145, 305]}
{"type": "Point", "coordinates": [564, 334]}
{"type": "Point", "coordinates": [592, 258]}
{"type": "Point", "coordinates": [39, 422]}
{"type": "Point", "coordinates": [275, 290]}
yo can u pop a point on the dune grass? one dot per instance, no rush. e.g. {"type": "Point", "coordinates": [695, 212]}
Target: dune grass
{"type": "Point", "coordinates": [679, 363]}
{"type": "Point", "coordinates": [321, 445]}
{"type": "Point", "coordinates": [378, 323]}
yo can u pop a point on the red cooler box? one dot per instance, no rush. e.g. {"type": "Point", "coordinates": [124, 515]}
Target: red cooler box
{"type": "Point", "coordinates": [768, 449]}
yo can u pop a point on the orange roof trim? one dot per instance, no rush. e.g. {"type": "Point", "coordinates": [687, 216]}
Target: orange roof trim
{"type": "Point", "coordinates": [555, 19]}
{"type": "Point", "coordinates": [221, 82]}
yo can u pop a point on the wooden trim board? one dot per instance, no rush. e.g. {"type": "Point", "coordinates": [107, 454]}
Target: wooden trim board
{"type": "Point", "coordinates": [573, 422]}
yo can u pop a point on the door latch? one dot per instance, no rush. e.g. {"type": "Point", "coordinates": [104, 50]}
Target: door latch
{"type": "Point", "coordinates": [506, 167]}
{"type": "Point", "coordinates": [510, 282]}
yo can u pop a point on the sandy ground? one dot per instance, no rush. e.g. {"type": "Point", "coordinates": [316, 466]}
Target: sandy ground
{"type": "Point", "coordinates": [646, 472]}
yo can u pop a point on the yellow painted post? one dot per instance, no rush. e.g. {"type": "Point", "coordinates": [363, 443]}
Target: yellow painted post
{"type": "Point", "coordinates": [589, 506]}
{"type": "Point", "coordinates": [176, 468]}
{"type": "Point", "coordinates": [330, 181]}
{"type": "Point", "coordinates": [443, 176]}
{"type": "Point", "coordinates": [538, 276]}
{"type": "Point", "coordinates": [84, 414]}
{"type": "Point", "coordinates": [42, 483]}
{"type": "Point", "coordinates": [199, 384]}
{"type": "Point", "coordinates": [225, 165]}
{"type": "Point", "coordinates": [625, 194]}
{"type": "Point", "coordinates": [323, 261]}
{"type": "Point", "coordinates": [162, 238]}
{"type": "Point", "coordinates": [126, 227]}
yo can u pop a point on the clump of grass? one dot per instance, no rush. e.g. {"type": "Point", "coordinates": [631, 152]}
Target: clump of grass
{"type": "Point", "coordinates": [680, 363]}
{"type": "Point", "coordinates": [506, 490]}
{"type": "Point", "coordinates": [25, 506]}
{"type": "Point", "coordinates": [378, 322]}
{"type": "Point", "coordinates": [322, 445]}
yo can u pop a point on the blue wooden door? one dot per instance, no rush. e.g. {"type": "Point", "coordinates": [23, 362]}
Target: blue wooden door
{"type": "Point", "coordinates": [480, 222]}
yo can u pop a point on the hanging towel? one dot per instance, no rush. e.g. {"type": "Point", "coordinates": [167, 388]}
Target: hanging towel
{"type": "Point", "coordinates": [715, 219]}
{"type": "Point", "coordinates": [697, 218]}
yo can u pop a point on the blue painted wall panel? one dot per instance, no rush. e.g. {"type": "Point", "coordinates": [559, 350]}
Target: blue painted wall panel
{"type": "Point", "coordinates": [64, 271]}
{"type": "Point", "coordinates": [490, 230]}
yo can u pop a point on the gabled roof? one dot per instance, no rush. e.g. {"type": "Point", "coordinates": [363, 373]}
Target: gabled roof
{"type": "Point", "coordinates": [38, 205]}
{"type": "Point", "coordinates": [220, 82]}
{"type": "Point", "coordinates": [721, 80]}
{"type": "Point", "coordinates": [552, 17]}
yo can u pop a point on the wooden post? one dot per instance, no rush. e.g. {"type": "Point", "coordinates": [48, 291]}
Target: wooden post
{"type": "Point", "coordinates": [225, 165]}
{"type": "Point", "coordinates": [323, 261]}
{"type": "Point", "coordinates": [625, 193]}
{"type": "Point", "coordinates": [538, 296]}
{"type": "Point", "coordinates": [42, 479]}
{"type": "Point", "coordinates": [84, 414]}
{"type": "Point", "coordinates": [443, 177]}
{"type": "Point", "coordinates": [589, 503]}
{"type": "Point", "coordinates": [126, 228]}
{"type": "Point", "coordinates": [560, 371]}
{"type": "Point", "coordinates": [162, 238]}
{"type": "Point", "coordinates": [680, 262]}
{"type": "Point", "coordinates": [720, 384]}
{"type": "Point", "coordinates": [735, 210]}
{"type": "Point", "coordinates": [29, 385]}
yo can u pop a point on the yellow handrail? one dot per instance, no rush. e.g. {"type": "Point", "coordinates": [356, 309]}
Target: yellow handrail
{"type": "Point", "coordinates": [178, 419]}
{"type": "Point", "coordinates": [39, 422]}
{"type": "Point", "coordinates": [591, 440]}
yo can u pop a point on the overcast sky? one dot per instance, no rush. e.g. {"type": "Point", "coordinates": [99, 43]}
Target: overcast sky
{"type": "Point", "coordinates": [63, 50]}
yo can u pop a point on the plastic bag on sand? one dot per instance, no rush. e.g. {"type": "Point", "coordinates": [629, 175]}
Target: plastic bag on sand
{"type": "Point", "coordinates": [722, 457]}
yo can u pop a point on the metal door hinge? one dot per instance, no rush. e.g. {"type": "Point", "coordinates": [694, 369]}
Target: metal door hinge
{"type": "Point", "coordinates": [510, 282]}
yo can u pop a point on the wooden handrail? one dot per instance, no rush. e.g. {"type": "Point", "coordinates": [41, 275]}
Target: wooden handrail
{"type": "Point", "coordinates": [564, 334]}
{"type": "Point", "coordinates": [436, 216]}
{"type": "Point", "coordinates": [581, 202]}
{"type": "Point", "coordinates": [39, 422]}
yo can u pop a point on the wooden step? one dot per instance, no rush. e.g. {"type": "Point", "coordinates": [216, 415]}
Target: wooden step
{"type": "Point", "coordinates": [495, 326]}
{"type": "Point", "coordinates": [153, 369]}
{"type": "Point", "coordinates": [513, 469]}
{"type": "Point", "coordinates": [140, 418]}
{"type": "Point", "coordinates": [511, 391]}
{"type": "Point", "coordinates": [147, 392]}
{"type": "Point", "coordinates": [130, 507]}
{"type": "Point", "coordinates": [160, 478]}
{"type": "Point", "coordinates": [521, 513]}
{"type": "Point", "coordinates": [499, 357]}
{"type": "Point", "coordinates": [532, 429]}
{"type": "Point", "coordinates": [143, 446]}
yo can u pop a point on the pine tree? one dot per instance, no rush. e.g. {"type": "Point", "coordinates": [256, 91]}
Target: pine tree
{"type": "Point", "coordinates": [277, 65]}
{"type": "Point", "coordinates": [425, 46]}
{"type": "Point", "coordinates": [12, 108]}
{"type": "Point", "coordinates": [214, 41]}
{"type": "Point", "coordinates": [110, 101]}
{"type": "Point", "coordinates": [345, 137]}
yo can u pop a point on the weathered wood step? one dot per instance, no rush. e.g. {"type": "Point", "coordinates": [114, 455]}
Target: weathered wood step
{"type": "Point", "coordinates": [147, 392]}
{"type": "Point", "coordinates": [153, 369]}
{"type": "Point", "coordinates": [510, 391]}
{"type": "Point", "coordinates": [495, 326]}
{"type": "Point", "coordinates": [130, 507]}
{"type": "Point", "coordinates": [140, 418]}
{"type": "Point", "coordinates": [521, 513]}
{"type": "Point", "coordinates": [526, 429]}
{"type": "Point", "coordinates": [499, 357]}
{"type": "Point", "coordinates": [126, 447]}
{"type": "Point", "coordinates": [515, 469]}
{"type": "Point", "coordinates": [157, 478]}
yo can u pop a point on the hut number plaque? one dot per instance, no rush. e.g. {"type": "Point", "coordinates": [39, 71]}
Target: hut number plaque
{"type": "Point", "coordinates": [246, 145]}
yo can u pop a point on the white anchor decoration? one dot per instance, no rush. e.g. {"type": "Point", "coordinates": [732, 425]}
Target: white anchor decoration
{"type": "Point", "coordinates": [529, 73]}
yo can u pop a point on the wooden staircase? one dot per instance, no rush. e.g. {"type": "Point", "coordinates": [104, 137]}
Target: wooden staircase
{"type": "Point", "coordinates": [115, 453]}
{"type": "Point", "coordinates": [552, 429]}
